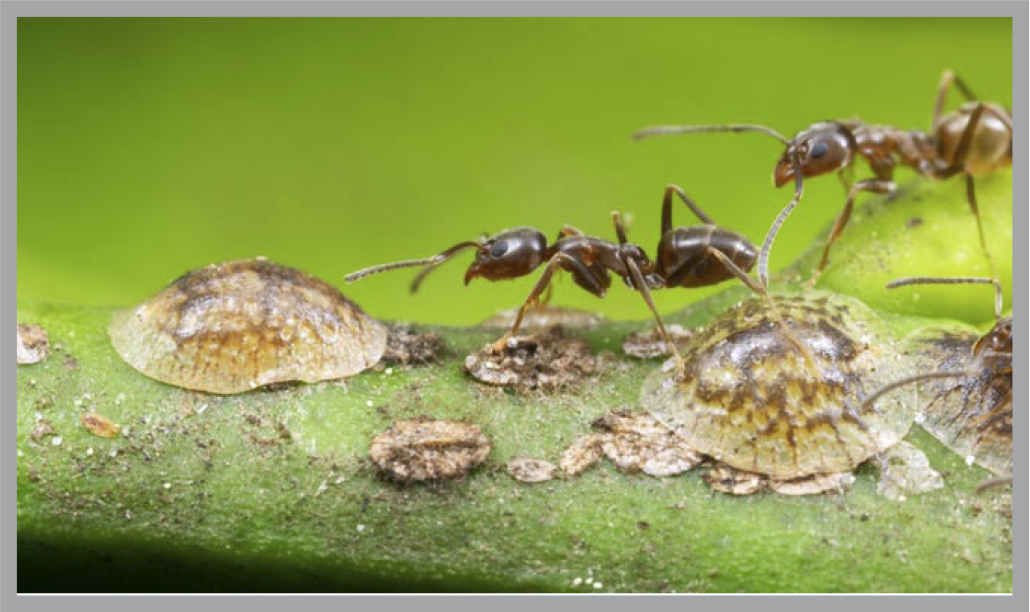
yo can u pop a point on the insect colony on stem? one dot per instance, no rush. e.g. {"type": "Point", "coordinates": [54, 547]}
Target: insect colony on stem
{"type": "Point", "coordinates": [233, 327]}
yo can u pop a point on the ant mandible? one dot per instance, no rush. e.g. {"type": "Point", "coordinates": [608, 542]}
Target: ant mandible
{"type": "Point", "coordinates": [691, 256]}
{"type": "Point", "coordinates": [972, 140]}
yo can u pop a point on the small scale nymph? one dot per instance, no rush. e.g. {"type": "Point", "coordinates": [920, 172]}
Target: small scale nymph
{"type": "Point", "coordinates": [232, 327]}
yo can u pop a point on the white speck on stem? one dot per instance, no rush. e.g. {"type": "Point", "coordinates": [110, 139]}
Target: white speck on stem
{"type": "Point", "coordinates": [598, 585]}
{"type": "Point", "coordinates": [368, 403]}
{"type": "Point", "coordinates": [56, 441]}
{"type": "Point", "coordinates": [89, 451]}
{"type": "Point", "coordinates": [577, 582]}
{"type": "Point", "coordinates": [970, 459]}
{"type": "Point", "coordinates": [361, 528]}
{"type": "Point", "coordinates": [167, 485]}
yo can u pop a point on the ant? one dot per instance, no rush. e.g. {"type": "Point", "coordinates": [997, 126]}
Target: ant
{"type": "Point", "coordinates": [974, 139]}
{"type": "Point", "coordinates": [989, 365]}
{"type": "Point", "coordinates": [691, 256]}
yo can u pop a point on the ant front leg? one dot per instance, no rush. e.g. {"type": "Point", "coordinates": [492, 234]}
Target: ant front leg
{"type": "Point", "coordinates": [871, 185]}
{"type": "Point", "coordinates": [559, 260]}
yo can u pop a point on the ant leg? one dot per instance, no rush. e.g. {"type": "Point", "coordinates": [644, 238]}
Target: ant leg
{"type": "Point", "coordinates": [847, 176]}
{"type": "Point", "coordinates": [947, 78]}
{"type": "Point", "coordinates": [958, 164]}
{"type": "Point", "coordinates": [641, 286]}
{"type": "Point", "coordinates": [958, 160]}
{"type": "Point", "coordinates": [667, 208]}
{"type": "Point", "coordinates": [871, 185]}
{"type": "Point", "coordinates": [559, 260]}
{"type": "Point", "coordinates": [546, 298]}
{"type": "Point", "coordinates": [973, 206]}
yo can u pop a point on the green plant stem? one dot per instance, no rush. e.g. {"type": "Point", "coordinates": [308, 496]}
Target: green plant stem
{"type": "Point", "coordinates": [206, 493]}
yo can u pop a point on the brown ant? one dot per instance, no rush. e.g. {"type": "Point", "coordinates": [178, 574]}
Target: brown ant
{"type": "Point", "coordinates": [692, 256]}
{"type": "Point", "coordinates": [989, 362]}
{"type": "Point", "coordinates": [974, 139]}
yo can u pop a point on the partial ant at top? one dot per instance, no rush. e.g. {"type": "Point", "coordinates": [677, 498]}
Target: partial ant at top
{"type": "Point", "coordinates": [973, 140]}
{"type": "Point", "coordinates": [691, 256]}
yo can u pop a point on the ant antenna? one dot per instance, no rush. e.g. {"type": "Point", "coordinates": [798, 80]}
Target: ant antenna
{"type": "Point", "coordinates": [432, 262]}
{"type": "Point", "coordinates": [954, 280]}
{"type": "Point", "coordinates": [763, 254]}
{"type": "Point", "coordinates": [911, 379]}
{"type": "Point", "coordinates": [667, 130]}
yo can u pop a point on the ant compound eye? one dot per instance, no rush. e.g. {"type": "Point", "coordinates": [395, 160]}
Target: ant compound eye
{"type": "Point", "coordinates": [499, 249]}
{"type": "Point", "coordinates": [820, 149]}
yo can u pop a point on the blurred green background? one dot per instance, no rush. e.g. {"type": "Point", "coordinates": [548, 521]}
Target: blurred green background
{"type": "Point", "coordinates": [148, 147]}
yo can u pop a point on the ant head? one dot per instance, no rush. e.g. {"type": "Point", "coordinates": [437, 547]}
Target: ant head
{"type": "Point", "coordinates": [823, 147]}
{"type": "Point", "coordinates": [509, 254]}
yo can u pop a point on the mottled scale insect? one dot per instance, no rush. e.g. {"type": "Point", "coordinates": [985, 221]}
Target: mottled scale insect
{"type": "Point", "coordinates": [232, 327]}
{"type": "Point", "coordinates": [749, 400]}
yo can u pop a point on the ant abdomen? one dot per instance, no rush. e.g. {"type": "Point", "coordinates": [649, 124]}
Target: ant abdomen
{"type": "Point", "coordinates": [991, 144]}
{"type": "Point", "coordinates": [685, 256]}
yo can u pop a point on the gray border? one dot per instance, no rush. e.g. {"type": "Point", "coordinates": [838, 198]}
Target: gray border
{"type": "Point", "coordinates": [8, 236]}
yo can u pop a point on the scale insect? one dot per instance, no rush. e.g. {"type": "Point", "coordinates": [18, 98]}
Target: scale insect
{"type": "Point", "coordinates": [969, 384]}
{"type": "Point", "coordinates": [231, 327]}
{"type": "Point", "coordinates": [772, 419]}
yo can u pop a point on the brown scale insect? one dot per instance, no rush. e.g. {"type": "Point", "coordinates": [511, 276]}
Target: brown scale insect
{"type": "Point", "coordinates": [691, 256]}
{"type": "Point", "coordinates": [970, 405]}
{"type": "Point", "coordinates": [749, 401]}
{"type": "Point", "coordinates": [235, 326]}
{"type": "Point", "coordinates": [973, 140]}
